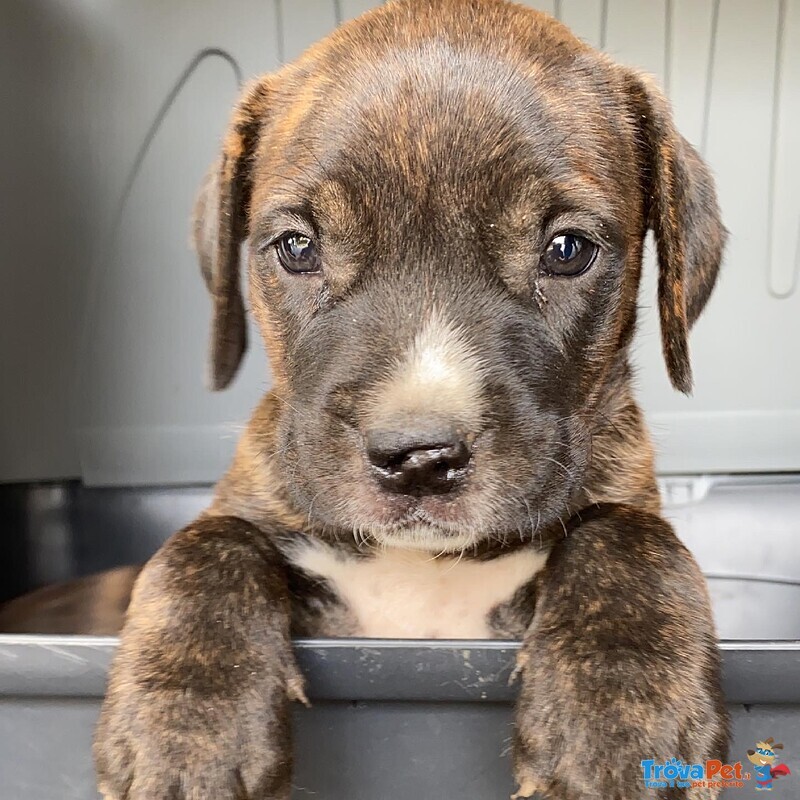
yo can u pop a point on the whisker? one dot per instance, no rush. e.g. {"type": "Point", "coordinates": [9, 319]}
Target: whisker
{"type": "Point", "coordinates": [555, 461]}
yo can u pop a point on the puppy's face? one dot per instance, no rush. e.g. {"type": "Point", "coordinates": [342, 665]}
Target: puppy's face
{"type": "Point", "coordinates": [446, 215]}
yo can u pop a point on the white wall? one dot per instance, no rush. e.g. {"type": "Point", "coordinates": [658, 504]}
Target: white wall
{"type": "Point", "coordinates": [103, 316]}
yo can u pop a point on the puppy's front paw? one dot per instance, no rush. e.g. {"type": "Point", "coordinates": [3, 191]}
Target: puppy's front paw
{"type": "Point", "coordinates": [583, 732]}
{"type": "Point", "coordinates": [191, 744]}
{"type": "Point", "coordinates": [620, 665]}
{"type": "Point", "coordinates": [198, 699]}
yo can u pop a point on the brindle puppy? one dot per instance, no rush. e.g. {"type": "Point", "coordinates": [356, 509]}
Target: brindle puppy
{"type": "Point", "coordinates": [443, 207]}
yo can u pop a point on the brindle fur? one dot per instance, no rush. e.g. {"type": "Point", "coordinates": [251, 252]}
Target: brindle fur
{"type": "Point", "coordinates": [430, 143]}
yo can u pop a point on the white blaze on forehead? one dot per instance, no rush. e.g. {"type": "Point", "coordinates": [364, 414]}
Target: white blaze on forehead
{"type": "Point", "coordinates": [440, 371]}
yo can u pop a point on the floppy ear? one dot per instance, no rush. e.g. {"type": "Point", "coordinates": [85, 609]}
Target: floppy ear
{"type": "Point", "coordinates": [683, 212]}
{"type": "Point", "coordinates": [220, 225]}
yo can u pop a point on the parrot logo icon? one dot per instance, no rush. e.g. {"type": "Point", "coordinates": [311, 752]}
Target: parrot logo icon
{"type": "Point", "coordinates": [766, 770]}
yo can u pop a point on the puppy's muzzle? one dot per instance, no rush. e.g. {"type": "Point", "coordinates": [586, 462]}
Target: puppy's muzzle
{"type": "Point", "coordinates": [419, 462]}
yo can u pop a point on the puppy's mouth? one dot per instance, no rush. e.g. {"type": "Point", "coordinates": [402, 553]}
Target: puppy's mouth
{"type": "Point", "coordinates": [434, 537]}
{"type": "Point", "coordinates": [434, 523]}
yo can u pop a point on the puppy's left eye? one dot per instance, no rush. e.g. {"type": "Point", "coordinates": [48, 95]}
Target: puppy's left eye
{"type": "Point", "coordinates": [298, 253]}
{"type": "Point", "coordinates": [568, 254]}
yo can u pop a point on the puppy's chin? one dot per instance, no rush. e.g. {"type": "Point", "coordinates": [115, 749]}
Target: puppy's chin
{"type": "Point", "coordinates": [433, 539]}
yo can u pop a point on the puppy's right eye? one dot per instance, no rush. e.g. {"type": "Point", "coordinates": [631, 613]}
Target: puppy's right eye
{"type": "Point", "coordinates": [568, 255]}
{"type": "Point", "coordinates": [298, 253]}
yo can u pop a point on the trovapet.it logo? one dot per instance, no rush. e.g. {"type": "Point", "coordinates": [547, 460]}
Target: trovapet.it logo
{"type": "Point", "coordinates": [712, 774]}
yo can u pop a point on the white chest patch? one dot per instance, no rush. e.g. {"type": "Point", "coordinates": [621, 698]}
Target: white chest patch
{"type": "Point", "coordinates": [399, 594]}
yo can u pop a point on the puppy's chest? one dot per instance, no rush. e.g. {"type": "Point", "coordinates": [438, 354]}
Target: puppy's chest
{"type": "Point", "coordinates": [397, 593]}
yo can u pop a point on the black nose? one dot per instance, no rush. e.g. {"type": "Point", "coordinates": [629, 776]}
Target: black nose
{"type": "Point", "coordinates": [418, 462]}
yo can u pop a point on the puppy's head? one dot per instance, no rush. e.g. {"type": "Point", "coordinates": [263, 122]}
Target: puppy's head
{"type": "Point", "coordinates": [444, 206]}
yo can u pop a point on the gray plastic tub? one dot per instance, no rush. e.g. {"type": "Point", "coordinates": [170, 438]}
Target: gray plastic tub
{"type": "Point", "coordinates": [390, 720]}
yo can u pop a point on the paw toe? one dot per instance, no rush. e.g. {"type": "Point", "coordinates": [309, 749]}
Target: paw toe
{"type": "Point", "coordinates": [527, 788]}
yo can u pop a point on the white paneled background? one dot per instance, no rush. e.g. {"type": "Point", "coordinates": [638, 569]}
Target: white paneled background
{"type": "Point", "coordinates": [112, 111]}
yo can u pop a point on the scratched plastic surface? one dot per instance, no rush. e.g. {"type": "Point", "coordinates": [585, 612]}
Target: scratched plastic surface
{"type": "Point", "coordinates": [119, 107]}
{"type": "Point", "coordinates": [389, 720]}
